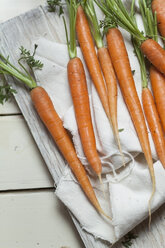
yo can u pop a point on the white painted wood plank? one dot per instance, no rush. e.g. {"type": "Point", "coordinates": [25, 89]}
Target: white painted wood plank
{"type": "Point", "coordinates": [21, 165]}
{"type": "Point", "coordinates": [9, 107]}
{"type": "Point", "coordinates": [11, 8]}
{"type": "Point", "coordinates": [35, 219]}
{"type": "Point", "coordinates": [38, 219]}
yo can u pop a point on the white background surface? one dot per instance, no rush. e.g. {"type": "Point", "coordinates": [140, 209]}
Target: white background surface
{"type": "Point", "coordinates": [30, 214]}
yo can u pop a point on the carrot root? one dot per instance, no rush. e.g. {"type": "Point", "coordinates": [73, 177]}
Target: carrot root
{"type": "Point", "coordinates": [88, 49]}
{"type": "Point", "coordinates": [79, 91]}
{"type": "Point", "coordinates": [159, 7]}
{"type": "Point", "coordinates": [158, 87]}
{"type": "Point", "coordinates": [123, 71]}
{"type": "Point", "coordinates": [154, 53]}
{"type": "Point", "coordinates": [52, 121]}
{"type": "Point", "coordinates": [111, 83]}
{"type": "Point", "coordinates": [154, 124]}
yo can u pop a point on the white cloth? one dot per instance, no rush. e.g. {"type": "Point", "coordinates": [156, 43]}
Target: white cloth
{"type": "Point", "coordinates": [128, 191]}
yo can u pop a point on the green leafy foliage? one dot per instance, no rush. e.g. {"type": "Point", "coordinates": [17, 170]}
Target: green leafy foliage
{"type": "Point", "coordinates": [127, 242]}
{"type": "Point", "coordinates": [5, 93]}
{"type": "Point", "coordinates": [107, 23]}
{"type": "Point", "coordinates": [54, 5]}
{"type": "Point", "coordinates": [29, 58]}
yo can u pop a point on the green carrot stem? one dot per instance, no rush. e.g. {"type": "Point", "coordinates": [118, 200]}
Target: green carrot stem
{"type": "Point", "coordinates": [94, 25]}
{"type": "Point", "coordinates": [117, 13]}
{"type": "Point", "coordinates": [142, 64]}
{"type": "Point", "coordinates": [136, 43]}
{"type": "Point", "coordinates": [72, 10]}
{"type": "Point", "coordinates": [149, 19]}
{"type": "Point", "coordinates": [8, 69]}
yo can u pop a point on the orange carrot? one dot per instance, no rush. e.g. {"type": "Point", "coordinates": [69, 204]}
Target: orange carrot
{"type": "Point", "coordinates": [154, 53]}
{"type": "Point", "coordinates": [159, 7]}
{"type": "Point", "coordinates": [88, 49]}
{"type": "Point", "coordinates": [154, 123]}
{"type": "Point", "coordinates": [107, 69]}
{"type": "Point", "coordinates": [158, 87]}
{"type": "Point", "coordinates": [111, 83]}
{"type": "Point", "coordinates": [50, 118]}
{"type": "Point", "coordinates": [78, 87]}
{"type": "Point", "coordinates": [123, 71]}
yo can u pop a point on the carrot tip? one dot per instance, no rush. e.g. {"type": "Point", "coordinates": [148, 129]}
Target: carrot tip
{"type": "Point", "coordinates": [149, 204]}
{"type": "Point", "coordinates": [102, 185]}
{"type": "Point", "coordinates": [103, 213]}
{"type": "Point", "coordinates": [120, 149]}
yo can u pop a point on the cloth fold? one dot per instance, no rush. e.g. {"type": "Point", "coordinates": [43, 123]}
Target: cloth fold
{"type": "Point", "coordinates": [127, 190]}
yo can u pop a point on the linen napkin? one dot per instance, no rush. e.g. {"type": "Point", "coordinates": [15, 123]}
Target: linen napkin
{"type": "Point", "coordinates": [128, 189]}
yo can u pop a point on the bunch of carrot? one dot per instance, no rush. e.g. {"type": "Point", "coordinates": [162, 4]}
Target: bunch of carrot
{"type": "Point", "coordinates": [105, 67]}
{"type": "Point", "coordinates": [116, 63]}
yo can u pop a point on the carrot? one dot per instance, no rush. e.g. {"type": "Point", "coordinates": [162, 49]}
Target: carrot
{"type": "Point", "coordinates": [122, 67]}
{"type": "Point", "coordinates": [123, 71]}
{"type": "Point", "coordinates": [107, 69]}
{"type": "Point", "coordinates": [50, 118]}
{"type": "Point", "coordinates": [78, 87]}
{"type": "Point", "coordinates": [154, 123]}
{"type": "Point", "coordinates": [154, 53]}
{"type": "Point", "coordinates": [158, 6]}
{"type": "Point", "coordinates": [88, 49]}
{"type": "Point", "coordinates": [158, 87]}
{"type": "Point", "coordinates": [79, 92]}
{"type": "Point", "coordinates": [111, 83]}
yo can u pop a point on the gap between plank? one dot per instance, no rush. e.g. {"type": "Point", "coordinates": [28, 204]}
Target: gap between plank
{"type": "Point", "coordinates": [8, 191]}
{"type": "Point", "coordinates": [5, 115]}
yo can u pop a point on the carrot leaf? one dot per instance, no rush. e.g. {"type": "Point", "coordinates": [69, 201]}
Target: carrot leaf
{"type": "Point", "coordinates": [7, 68]}
{"type": "Point", "coordinates": [29, 58]}
{"type": "Point", "coordinates": [149, 19]}
{"type": "Point", "coordinates": [116, 12]}
{"type": "Point", "coordinates": [127, 242]}
{"type": "Point", "coordinates": [5, 93]}
{"type": "Point", "coordinates": [53, 5]}
{"type": "Point", "coordinates": [120, 130]}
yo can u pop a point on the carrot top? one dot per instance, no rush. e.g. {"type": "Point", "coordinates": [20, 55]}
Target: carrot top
{"type": "Point", "coordinates": [72, 9]}
{"type": "Point", "coordinates": [72, 5]}
{"type": "Point", "coordinates": [93, 21]}
{"type": "Point", "coordinates": [6, 68]}
{"type": "Point", "coordinates": [150, 27]}
{"type": "Point", "coordinates": [149, 19]}
{"type": "Point", "coordinates": [117, 14]}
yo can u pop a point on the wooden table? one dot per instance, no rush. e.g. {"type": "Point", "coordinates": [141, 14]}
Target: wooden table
{"type": "Point", "coordinates": [30, 214]}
